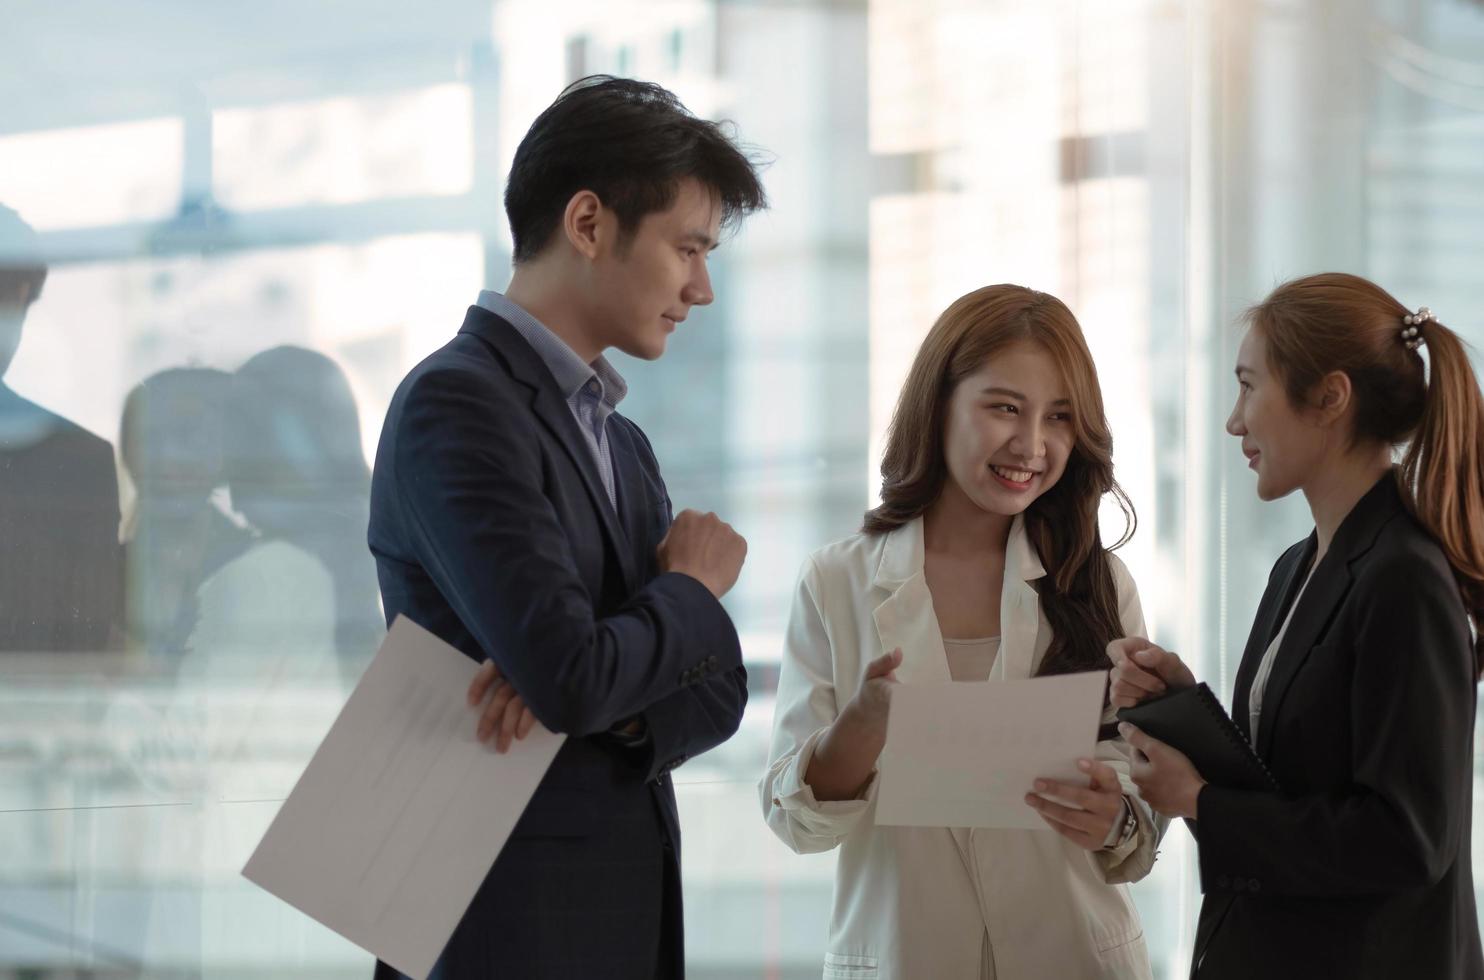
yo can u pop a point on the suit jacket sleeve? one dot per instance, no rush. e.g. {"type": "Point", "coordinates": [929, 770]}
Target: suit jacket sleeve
{"type": "Point", "coordinates": [468, 473]}
{"type": "Point", "coordinates": [695, 719]}
{"type": "Point", "coordinates": [1398, 822]}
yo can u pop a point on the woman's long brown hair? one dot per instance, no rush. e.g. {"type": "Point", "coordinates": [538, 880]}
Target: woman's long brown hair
{"type": "Point", "coordinates": [1079, 594]}
{"type": "Point", "coordinates": [1339, 322]}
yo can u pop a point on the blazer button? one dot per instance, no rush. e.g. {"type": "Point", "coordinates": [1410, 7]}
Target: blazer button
{"type": "Point", "coordinates": [1253, 885]}
{"type": "Point", "coordinates": [711, 662]}
{"type": "Point", "coordinates": [1223, 882]}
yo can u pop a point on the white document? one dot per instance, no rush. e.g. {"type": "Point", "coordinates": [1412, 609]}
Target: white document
{"type": "Point", "coordinates": [401, 812]}
{"type": "Point", "coordinates": [966, 754]}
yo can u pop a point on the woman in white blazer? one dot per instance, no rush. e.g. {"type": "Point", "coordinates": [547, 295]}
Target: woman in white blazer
{"type": "Point", "coordinates": [996, 460]}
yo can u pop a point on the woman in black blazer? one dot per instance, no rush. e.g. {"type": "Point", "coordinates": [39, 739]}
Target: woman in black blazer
{"type": "Point", "coordinates": [1357, 685]}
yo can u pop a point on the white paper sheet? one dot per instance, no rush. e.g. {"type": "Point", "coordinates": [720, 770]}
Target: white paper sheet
{"type": "Point", "coordinates": [401, 812]}
{"type": "Point", "coordinates": [966, 754]}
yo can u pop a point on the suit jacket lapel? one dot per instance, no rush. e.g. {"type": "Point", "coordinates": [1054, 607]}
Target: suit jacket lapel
{"type": "Point", "coordinates": [905, 618]}
{"type": "Point", "coordinates": [1328, 585]}
{"type": "Point", "coordinates": [1326, 590]}
{"type": "Point", "coordinates": [628, 479]}
{"type": "Point", "coordinates": [1270, 612]}
{"type": "Point", "coordinates": [551, 409]}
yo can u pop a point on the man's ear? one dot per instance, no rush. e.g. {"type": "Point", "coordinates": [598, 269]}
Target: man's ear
{"type": "Point", "coordinates": [582, 223]}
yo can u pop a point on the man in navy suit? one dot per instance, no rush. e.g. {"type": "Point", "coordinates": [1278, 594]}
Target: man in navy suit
{"type": "Point", "coordinates": [518, 516]}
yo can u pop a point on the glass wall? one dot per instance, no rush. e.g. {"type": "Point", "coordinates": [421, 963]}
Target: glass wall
{"type": "Point", "coordinates": [253, 222]}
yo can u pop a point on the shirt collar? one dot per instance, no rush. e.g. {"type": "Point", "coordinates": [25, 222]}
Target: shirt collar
{"type": "Point", "coordinates": [566, 367]}
{"type": "Point", "coordinates": [904, 555]}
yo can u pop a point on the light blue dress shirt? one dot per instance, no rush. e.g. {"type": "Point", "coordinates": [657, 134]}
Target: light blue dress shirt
{"type": "Point", "coordinates": [592, 391]}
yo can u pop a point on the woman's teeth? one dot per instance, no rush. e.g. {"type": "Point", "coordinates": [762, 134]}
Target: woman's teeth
{"type": "Point", "coordinates": [1014, 476]}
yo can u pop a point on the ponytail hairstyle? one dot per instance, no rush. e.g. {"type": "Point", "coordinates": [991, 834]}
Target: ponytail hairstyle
{"type": "Point", "coordinates": [1339, 322]}
{"type": "Point", "coordinates": [1078, 594]}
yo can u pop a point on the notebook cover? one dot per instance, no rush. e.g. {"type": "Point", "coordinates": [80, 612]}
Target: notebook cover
{"type": "Point", "coordinates": [1192, 720]}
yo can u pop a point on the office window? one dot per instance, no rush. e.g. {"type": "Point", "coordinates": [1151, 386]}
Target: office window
{"type": "Point", "coordinates": [264, 236]}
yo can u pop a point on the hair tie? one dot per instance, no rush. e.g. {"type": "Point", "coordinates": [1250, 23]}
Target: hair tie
{"type": "Point", "coordinates": [1412, 327]}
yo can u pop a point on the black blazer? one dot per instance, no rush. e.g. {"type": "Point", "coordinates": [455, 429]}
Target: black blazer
{"type": "Point", "coordinates": [491, 528]}
{"type": "Point", "coordinates": [1361, 868]}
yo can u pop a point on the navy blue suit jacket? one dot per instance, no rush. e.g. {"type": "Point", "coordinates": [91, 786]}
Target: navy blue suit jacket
{"type": "Point", "coordinates": [491, 528]}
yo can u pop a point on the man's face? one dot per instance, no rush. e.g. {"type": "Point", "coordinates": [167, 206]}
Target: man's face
{"type": "Point", "coordinates": [642, 291]}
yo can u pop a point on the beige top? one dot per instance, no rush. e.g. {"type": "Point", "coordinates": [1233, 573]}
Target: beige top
{"type": "Point", "coordinates": [971, 660]}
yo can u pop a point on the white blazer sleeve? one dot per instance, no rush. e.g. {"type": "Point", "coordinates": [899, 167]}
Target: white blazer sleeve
{"type": "Point", "coordinates": [806, 707]}
{"type": "Point", "coordinates": [1135, 858]}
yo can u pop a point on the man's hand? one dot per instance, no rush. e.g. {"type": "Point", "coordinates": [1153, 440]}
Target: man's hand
{"type": "Point", "coordinates": [506, 716]}
{"type": "Point", "coordinates": [1166, 778]}
{"type": "Point", "coordinates": [704, 547]}
{"type": "Point", "coordinates": [1142, 670]}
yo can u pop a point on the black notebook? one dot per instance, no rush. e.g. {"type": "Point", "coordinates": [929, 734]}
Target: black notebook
{"type": "Point", "coordinates": [1193, 721]}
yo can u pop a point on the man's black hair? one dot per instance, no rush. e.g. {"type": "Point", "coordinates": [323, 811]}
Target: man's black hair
{"type": "Point", "coordinates": [629, 142]}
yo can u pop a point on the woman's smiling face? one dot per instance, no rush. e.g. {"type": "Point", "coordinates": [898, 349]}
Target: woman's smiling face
{"type": "Point", "coordinates": [1008, 432]}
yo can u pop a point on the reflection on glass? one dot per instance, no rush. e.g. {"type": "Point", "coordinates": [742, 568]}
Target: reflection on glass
{"type": "Point", "coordinates": [113, 173]}
{"type": "Point", "coordinates": [345, 149]}
{"type": "Point", "coordinates": [296, 473]}
{"type": "Point", "coordinates": [171, 449]}
{"type": "Point", "coordinates": [59, 511]}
